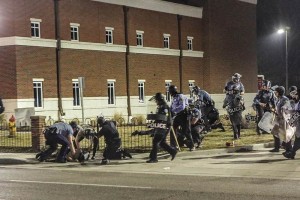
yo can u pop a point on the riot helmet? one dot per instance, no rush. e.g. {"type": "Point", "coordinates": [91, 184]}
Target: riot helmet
{"type": "Point", "coordinates": [280, 90]}
{"type": "Point", "coordinates": [195, 89]}
{"type": "Point", "coordinates": [236, 77]}
{"type": "Point", "coordinates": [173, 90]}
{"type": "Point", "coordinates": [158, 98]}
{"type": "Point", "coordinates": [101, 120]}
{"type": "Point", "coordinates": [293, 88]}
{"type": "Point", "coordinates": [73, 124]}
{"type": "Point", "coordinates": [266, 83]}
{"type": "Point", "coordinates": [191, 103]}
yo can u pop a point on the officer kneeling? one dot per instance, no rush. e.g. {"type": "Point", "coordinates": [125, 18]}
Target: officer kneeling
{"type": "Point", "coordinates": [113, 142]}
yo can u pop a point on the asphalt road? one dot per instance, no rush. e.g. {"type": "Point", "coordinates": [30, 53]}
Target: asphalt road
{"type": "Point", "coordinates": [195, 175]}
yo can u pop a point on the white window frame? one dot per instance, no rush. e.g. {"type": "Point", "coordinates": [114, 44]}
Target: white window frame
{"type": "Point", "coordinates": [139, 38]}
{"type": "Point", "coordinates": [76, 93]}
{"type": "Point", "coordinates": [167, 85]}
{"type": "Point", "coordinates": [190, 43]}
{"type": "Point", "coordinates": [167, 41]}
{"type": "Point", "coordinates": [141, 90]}
{"type": "Point", "coordinates": [109, 35]}
{"type": "Point", "coordinates": [35, 27]}
{"type": "Point", "coordinates": [74, 30]}
{"type": "Point", "coordinates": [191, 85]}
{"type": "Point", "coordinates": [111, 93]}
{"type": "Point", "coordinates": [38, 97]}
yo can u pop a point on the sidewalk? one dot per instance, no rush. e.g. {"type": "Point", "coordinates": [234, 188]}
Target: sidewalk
{"type": "Point", "coordinates": [29, 158]}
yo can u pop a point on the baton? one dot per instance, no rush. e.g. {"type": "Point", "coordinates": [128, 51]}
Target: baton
{"type": "Point", "coordinates": [175, 137]}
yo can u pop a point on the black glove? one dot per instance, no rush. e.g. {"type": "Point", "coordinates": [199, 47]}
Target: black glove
{"type": "Point", "coordinates": [135, 133]}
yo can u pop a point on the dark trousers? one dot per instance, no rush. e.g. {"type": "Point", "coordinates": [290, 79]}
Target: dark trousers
{"type": "Point", "coordinates": [112, 149]}
{"type": "Point", "coordinates": [296, 145]}
{"type": "Point", "coordinates": [276, 142]}
{"type": "Point", "coordinates": [53, 141]}
{"type": "Point", "coordinates": [159, 140]}
{"type": "Point", "coordinates": [183, 121]}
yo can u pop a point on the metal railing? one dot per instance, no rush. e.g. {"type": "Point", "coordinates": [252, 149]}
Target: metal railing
{"type": "Point", "coordinates": [22, 137]}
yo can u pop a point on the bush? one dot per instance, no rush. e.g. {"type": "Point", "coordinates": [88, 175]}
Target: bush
{"type": "Point", "coordinates": [118, 117]}
{"type": "Point", "coordinates": [139, 120]}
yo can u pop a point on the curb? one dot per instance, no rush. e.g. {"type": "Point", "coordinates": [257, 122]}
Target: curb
{"type": "Point", "coordinates": [28, 158]}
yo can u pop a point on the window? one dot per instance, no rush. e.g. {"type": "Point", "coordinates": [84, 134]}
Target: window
{"type": "Point", "coordinates": [167, 85]}
{"type": "Point", "coordinates": [38, 94]}
{"type": "Point", "coordinates": [74, 32]}
{"type": "Point", "coordinates": [141, 87]}
{"type": "Point", "coordinates": [190, 43]}
{"type": "Point", "coordinates": [191, 85]}
{"type": "Point", "coordinates": [167, 41]}
{"type": "Point", "coordinates": [109, 35]}
{"type": "Point", "coordinates": [35, 27]}
{"type": "Point", "coordinates": [76, 93]}
{"type": "Point", "coordinates": [111, 91]}
{"type": "Point", "coordinates": [139, 38]}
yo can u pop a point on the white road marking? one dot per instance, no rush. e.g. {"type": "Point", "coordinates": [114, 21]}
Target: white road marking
{"type": "Point", "coordinates": [81, 184]}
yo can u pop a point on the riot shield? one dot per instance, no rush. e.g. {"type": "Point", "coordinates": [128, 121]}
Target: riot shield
{"type": "Point", "coordinates": [267, 122]}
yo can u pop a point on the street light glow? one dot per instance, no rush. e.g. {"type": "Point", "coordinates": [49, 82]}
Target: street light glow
{"type": "Point", "coordinates": [280, 31]}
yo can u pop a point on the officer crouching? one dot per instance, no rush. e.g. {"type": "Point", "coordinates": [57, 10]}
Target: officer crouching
{"type": "Point", "coordinates": [59, 133]}
{"type": "Point", "coordinates": [160, 128]}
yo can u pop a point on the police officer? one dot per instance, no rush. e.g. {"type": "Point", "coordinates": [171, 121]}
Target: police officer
{"type": "Point", "coordinates": [113, 142]}
{"type": "Point", "coordinates": [161, 131]}
{"type": "Point", "coordinates": [179, 113]}
{"type": "Point", "coordinates": [296, 123]}
{"type": "Point", "coordinates": [263, 102]}
{"type": "Point", "coordinates": [291, 95]}
{"type": "Point", "coordinates": [207, 106]}
{"type": "Point", "coordinates": [232, 88]}
{"type": "Point", "coordinates": [58, 133]}
{"type": "Point", "coordinates": [88, 132]}
{"type": "Point", "coordinates": [197, 124]}
{"type": "Point", "coordinates": [282, 103]}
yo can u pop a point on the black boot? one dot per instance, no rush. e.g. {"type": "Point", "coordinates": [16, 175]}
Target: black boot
{"type": "Point", "coordinates": [289, 154]}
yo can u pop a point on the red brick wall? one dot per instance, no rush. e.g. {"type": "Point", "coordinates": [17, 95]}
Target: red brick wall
{"type": "Point", "coordinates": [35, 62]}
{"type": "Point", "coordinates": [96, 67]}
{"type": "Point", "coordinates": [154, 25]}
{"type": "Point", "coordinates": [8, 72]}
{"type": "Point", "coordinates": [230, 43]}
{"type": "Point", "coordinates": [192, 27]}
{"type": "Point", "coordinates": [226, 34]}
{"type": "Point", "coordinates": [93, 17]}
{"type": "Point", "coordinates": [154, 69]}
{"type": "Point", "coordinates": [39, 9]}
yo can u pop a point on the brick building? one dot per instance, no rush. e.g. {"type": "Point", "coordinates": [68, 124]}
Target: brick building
{"type": "Point", "coordinates": [126, 50]}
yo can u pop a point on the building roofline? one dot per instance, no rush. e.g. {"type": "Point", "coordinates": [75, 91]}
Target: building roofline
{"type": "Point", "coordinates": [250, 1]}
{"type": "Point", "coordinates": [160, 6]}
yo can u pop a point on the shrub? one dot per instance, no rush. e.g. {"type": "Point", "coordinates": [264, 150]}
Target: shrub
{"type": "Point", "coordinates": [118, 117]}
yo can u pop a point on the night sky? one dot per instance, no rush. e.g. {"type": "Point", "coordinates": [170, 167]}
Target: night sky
{"type": "Point", "coordinates": [272, 14]}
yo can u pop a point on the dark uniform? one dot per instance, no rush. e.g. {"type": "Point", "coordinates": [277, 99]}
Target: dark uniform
{"type": "Point", "coordinates": [263, 102]}
{"type": "Point", "coordinates": [235, 103]}
{"type": "Point", "coordinates": [282, 103]}
{"type": "Point", "coordinates": [209, 113]}
{"type": "Point", "coordinates": [160, 129]}
{"type": "Point", "coordinates": [296, 124]}
{"type": "Point", "coordinates": [197, 125]}
{"type": "Point", "coordinates": [112, 140]}
{"type": "Point", "coordinates": [179, 114]}
{"type": "Point", "coordinates": [59, 133]}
